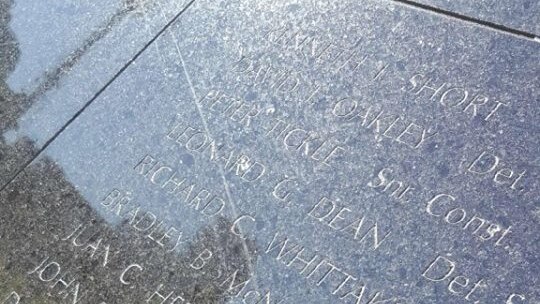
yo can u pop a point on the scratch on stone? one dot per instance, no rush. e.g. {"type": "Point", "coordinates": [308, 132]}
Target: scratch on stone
{"type": "Point", "coordinates": [207, 131]}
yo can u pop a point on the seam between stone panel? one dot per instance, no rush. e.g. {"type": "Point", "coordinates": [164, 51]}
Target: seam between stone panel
{"type": "Point", "coordinates": [88, 103]}
{"type": "Point", "coordinates": [464, 18]}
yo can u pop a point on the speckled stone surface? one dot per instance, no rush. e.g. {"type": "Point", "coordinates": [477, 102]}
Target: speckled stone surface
{"type": "Point", "coordinates": [523, 15]}
{"type": "Point", "coordinates": [55, 56]}
{"type": "Point", "coordinates": [291, 152]}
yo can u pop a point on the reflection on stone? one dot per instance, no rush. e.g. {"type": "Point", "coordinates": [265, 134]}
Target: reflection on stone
{"type": "Point", "coordinates": [69, 252]}
{"type": "Point", "coordinates": [12, 104]}
{"type": "Point", "coordinates": [16, 148]}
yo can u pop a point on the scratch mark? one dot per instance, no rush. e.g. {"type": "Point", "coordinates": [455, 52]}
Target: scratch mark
{"type": "Point", "coordinates": [208, 133]}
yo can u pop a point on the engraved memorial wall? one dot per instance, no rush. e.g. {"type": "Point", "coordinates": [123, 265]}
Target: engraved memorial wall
{"type": "Point", "coordinates": [291, 152]}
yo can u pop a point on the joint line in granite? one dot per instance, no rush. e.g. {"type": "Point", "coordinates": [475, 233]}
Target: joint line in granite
{"type": "Point", "coordinates": [479, 22]}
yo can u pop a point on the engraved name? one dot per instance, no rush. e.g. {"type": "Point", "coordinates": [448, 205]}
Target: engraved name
{"type": "Point", "coordinates": [341, 219]}
{"type": "Point", "coordinates": [322, 271]}
{"type": "Point", "coordinates": [123, 204]}
{"type": "Point", "coordinates": [319, 148]}
{"type": "Point", "coordinates": [60, 282]}
{"type": "Point", "coordinates": [197, 141]}
{"type": "Point", "coordinates": [170, 180]}
{"type": "Point", "coordinates": [383, 124]}
{"type": "Point", "coordinates": [454, 97]}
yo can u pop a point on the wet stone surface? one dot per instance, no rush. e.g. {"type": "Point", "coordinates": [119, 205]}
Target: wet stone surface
{"type": "Point", "coordinates": [55, 58]}
{"type": "Point", "coordinates": [291, 152]}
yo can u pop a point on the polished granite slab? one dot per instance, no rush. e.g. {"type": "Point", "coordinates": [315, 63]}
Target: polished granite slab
{"type": "Point", "coordinates": [54, 57]}
{"type": "Point", "coordinates": [523, 15]}
{"type": "Point", "coordinates": [292, 152]}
